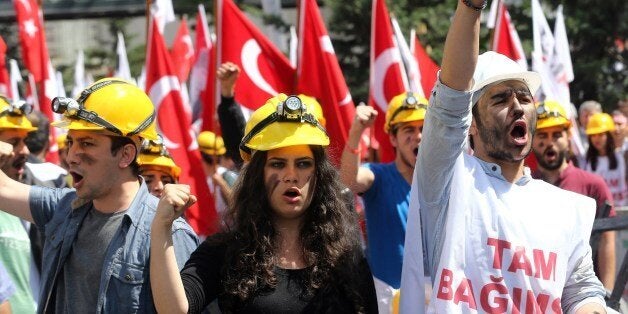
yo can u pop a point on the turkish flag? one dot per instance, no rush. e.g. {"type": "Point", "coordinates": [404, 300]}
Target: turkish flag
{"type": "Point", "coordinates": [505, 39]}
{"type": "Point", "coordinates": [164, 90]}
{"type": "Point", "coordinates": [265, 70]}
{"type": "Point", "coordinates": [428, 68]}
{"type": "Point", "coordinates": [5, 81]}
{"type": "Point", "coordinates": [319, 76]}
{"type": "Point", "coordinates": [182, 52]}
{"type": "Point", "coordinates": [35, 56]}
{"type": "Point", "coordinates": [386, 80]}
{"type": "Point", "coordinates": [203, 76]}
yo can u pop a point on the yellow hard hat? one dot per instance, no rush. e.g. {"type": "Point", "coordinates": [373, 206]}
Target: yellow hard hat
{"type": "Point", "coordinates": [550, 113]}
{"type": "Point", "coordinates": [314, 107]}
{"type": "Point", "coordinates": [405, 107]}
{"type": "Point", "coordinates": [211, 144]}
{"type": "Point", "coordinates": [600, 123]}
{"type": "Point", "coordinates": [282, 121]}
{"type": "Point", "coordinates": [13, 115]}
{"type": "Point", "coordinates": [61, 140]}
{"type": "Point", "coordinates": [153, 154]}
{"type": "Point", "coordinates": [109, 104]}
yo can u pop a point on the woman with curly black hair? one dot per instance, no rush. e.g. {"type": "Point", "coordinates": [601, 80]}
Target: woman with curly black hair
{"type": "Point", "coordinates": [293, 245]}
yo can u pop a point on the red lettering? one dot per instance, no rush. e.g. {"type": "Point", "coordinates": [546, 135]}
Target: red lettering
{"type": "Point", "coordinates": [464, 293]}
{"type": "Point", "coordinates": [531, 306]}
{"type": "Point", "coordinates": [499, 245]}
{"type": "Point", "coordinates": [520, 261]}
{"type": "Point", "coordinates": [556, 306]}
{"type": "Point", "coordinates": [444, 286]}
{"type": "Point", "coordinates": [516, 300]}
{"type": "Point", "coordinates": [497, 304]}
{"type": "Point", "coordinates": [542, 300]}
{"type": "Point", "coordinates": [544, 269]}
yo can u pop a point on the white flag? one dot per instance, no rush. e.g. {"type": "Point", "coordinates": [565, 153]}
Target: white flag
{"type": "Point", "coordinates": [163, 12]}
{"type": "Point", "coordinates": [79, 74]}
{"type": "Point", "coordinates": [294, 45]}
{"type": "Point", "coordinates": [543, 52]}
{"type": "Point", "coordinates": [15, 78]}
{"type": "Point", "coordinates": [123, 71]}
{"type": "Point", "coordinates": [59, 84]}
{"type": "Point", "coordinates": [409, 62]}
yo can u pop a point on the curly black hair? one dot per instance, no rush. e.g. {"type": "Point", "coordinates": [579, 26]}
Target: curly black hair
{"type": "Point", "coordinates": [329, 234]}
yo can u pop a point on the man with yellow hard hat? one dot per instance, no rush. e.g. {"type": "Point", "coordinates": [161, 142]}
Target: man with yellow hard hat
{"type": "Point", "coordinates": [385, 188]}
{"type": "Point", "coordinates": [551, 149]}
{"type": "Point", "coordinates": [219, 178]}
{"type": "Point", "coordinates": [97, 235]}
{"type": "Point", "coordinates": [15, 245]}
{"type": "Point", "coordinates": [157, 166]}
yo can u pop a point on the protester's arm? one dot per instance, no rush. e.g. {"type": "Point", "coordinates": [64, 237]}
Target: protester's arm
{"type": "Point", "coordinates": [358, 179]}
{"type": "Point", "coordinates": [461, 48]}
{"type": "Point", "coordinates": [13, 194]}
{"type": "Point", "coordinates": [232, 122]}
{"type": "Point", "coordinates": [225, 189]}
{"type": "Point", "coordinates": [166, 284]}
{"type": "Point", "coordinates": [606, 259]}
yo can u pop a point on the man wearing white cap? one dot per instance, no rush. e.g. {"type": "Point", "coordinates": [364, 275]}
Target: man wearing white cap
{"type": "Point", "coordinates": [496, 240]}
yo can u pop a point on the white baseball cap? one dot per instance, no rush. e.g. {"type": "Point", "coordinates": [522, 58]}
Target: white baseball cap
{"type": "Point", "coordinates": [493, 67]}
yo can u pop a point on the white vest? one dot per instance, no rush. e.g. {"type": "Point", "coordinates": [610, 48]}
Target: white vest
{"type": "Point", "coordinates": [508, 248]}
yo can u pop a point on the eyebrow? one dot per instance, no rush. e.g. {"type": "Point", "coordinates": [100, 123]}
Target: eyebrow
{"type": "Point", "coordinates": [508, 92]}
{"type": "Point", "coordinates": [79, 138]}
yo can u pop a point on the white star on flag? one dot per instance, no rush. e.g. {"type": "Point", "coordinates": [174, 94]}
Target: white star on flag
{"type": "Point", "coordinates": [30, 28]}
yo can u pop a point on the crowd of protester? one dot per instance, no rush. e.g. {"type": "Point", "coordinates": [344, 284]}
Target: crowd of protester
{"type": "Point", "coordinates": [457, 214]}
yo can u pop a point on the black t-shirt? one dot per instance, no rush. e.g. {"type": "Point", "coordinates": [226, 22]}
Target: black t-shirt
{"type": "Point", "coordinates": [202, 282]}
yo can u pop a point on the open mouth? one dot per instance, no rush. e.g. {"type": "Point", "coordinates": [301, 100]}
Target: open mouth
{"type": "Point", "coordinates": [415, 151]}
{"type": "Point", "coordinates": [76, 178]}
{"type": "Point", "coordinates": [519, 132]}
{"type": "Point", "coordinates": [19, 163]}
{"type": "Point", "coordinates": [550, 154]}
{"type": "Point", "coordinates": [292, 192]}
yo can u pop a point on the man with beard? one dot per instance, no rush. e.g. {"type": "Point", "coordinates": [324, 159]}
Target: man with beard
{"type": "Point", "coordinates": [385, 187]}
{"type": "Point", "coordinates": [551, 148]}
{"type": "Point", "coordinates": [15, 246]}
{"type": "Point", "coordinates": [97, 235]}
{"type": "Point", "coordinates": [495, 239]}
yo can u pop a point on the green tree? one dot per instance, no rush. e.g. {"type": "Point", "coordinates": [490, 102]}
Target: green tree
{"type": "Point", "coordinates": [592, 27]}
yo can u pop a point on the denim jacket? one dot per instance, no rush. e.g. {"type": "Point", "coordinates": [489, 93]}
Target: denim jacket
{"type": "Point", "coordinates": [125, 281]}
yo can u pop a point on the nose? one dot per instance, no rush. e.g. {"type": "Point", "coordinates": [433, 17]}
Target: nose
{"type": "Point", "coordinates": [71, 156]}
{"type": "Point", "coordinates": [22, 149]}
{"type": "Point", "coordinates": [290, 174]}
{"type": "Point", "coordinates": [159, 186]}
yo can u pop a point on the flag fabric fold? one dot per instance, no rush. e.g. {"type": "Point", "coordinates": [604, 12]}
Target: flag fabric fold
{"type": "Point", "coordinates": [386, 76]}
{"type": "Point", "coordinates": [266, 71]}
{"type": "Point", "coordinates": [202, 76]}
{"type": "Point", "coordinates": [164, 89]}
{"type": "Point", "coordinates": [505, 38]}
{"type": "Point", "coordinates": [123, 70]}
{"type": "Point", "coordinates": [427, 67]}
{"type": "Point", "coordinates": [319, 75]}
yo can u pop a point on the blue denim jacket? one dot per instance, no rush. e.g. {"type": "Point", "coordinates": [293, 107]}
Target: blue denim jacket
{"type": "Point", "coordinates": [125, 281]}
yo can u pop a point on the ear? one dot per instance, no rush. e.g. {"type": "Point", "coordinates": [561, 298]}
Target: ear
{"type": "Point", "coordinates": [473, 129]}
{"type": "Point", "coordinates": [393, 139]}
{"type": "Point", "coordinates": [127, 155]}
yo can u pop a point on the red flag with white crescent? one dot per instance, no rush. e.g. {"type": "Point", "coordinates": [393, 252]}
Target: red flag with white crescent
{"type": "Point", "coordinates": [386, 79]}
{"type": "Point", "coordinates": [505, 39]}
{"type": "Point", "coordinates": [266, 71]}
{"type": "Point", "coordinates": [164, 89]}
{"type": "Point", "coordinates": [319, 76]}
{"type": "Point", "coordinates": [35, 56]}
{"type": "Point", "coordinates": [182, 52]}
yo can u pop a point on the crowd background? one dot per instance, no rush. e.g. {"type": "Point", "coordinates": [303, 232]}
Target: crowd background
{"type": "Point", "coordinates": [597, 60]}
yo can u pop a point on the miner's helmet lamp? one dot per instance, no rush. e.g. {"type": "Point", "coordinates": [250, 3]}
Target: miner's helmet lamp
{"type": "Point", "coordinates": [109, 104]}
{"type": "Point", "coordinates": [154, 155]}
{"type": "Point", "coordinates": [550, 113]}
{"type": "Point", "coordinates": [13, 114]}
{"type": "Point", "coordinates": [282, 121]}
{"type": "Point", "coordinates": [405, 107]}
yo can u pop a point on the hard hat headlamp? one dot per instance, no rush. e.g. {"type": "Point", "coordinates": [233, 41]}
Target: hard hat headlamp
{"type": "Point", "coordinates": [75, 109]}
{"type": "Point", "coordinates": [410, 103]}
{"type": "Point", "coordinates": [290, 110]}
{"type": "Point", "coordinates": [542, 112]}
{"type": "Point", "coordinates": [16, 108]}
{"type": "Point", "coordinates": [154, 147]}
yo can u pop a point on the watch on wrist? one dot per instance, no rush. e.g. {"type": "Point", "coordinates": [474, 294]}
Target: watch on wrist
{"type": "Point", "coordinates": [472, 6]}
